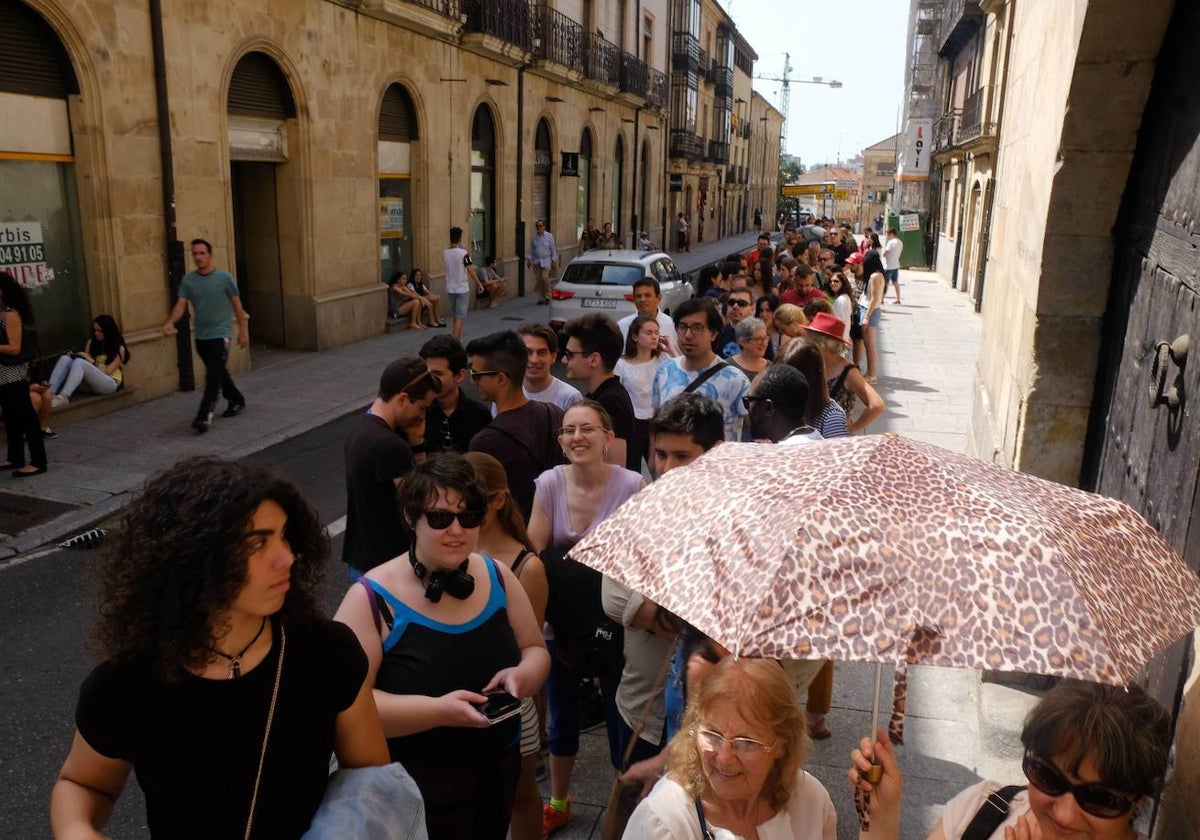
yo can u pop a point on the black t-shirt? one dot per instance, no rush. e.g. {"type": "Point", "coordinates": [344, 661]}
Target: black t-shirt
{"type": "Point", "coordinates": [195, 744]}
{"type": "Point", "coordinates": [468, 418]}
{"type": "Point", "coordinates": [612, 395]}
{"type": "Point", "coordinates": [375, 455]}
{"type": "Point", "coordinates": [525, 441]}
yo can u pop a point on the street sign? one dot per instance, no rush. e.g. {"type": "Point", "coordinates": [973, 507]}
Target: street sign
{"type": "Point", "coordinates": [823, 189]}
{"type": "Point", "coordinates": [841, 195]}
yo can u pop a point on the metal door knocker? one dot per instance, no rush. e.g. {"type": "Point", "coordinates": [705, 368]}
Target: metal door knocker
{"type": "Point", "coordinates": [1164, 354]}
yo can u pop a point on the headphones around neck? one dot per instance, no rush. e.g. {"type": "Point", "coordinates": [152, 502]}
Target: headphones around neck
{"type": "Point", "coordinates": [457, 583]}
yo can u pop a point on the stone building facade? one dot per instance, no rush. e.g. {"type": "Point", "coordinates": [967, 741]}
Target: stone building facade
{"type": "Point", "coordinates": [878, 175]}
{"type": "Point", "coordinates": [1084, 271]}
{"type": "Point", "coordinates": [319, 145]}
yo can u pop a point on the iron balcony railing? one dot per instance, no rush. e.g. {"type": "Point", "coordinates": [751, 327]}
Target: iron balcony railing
{"type": "Point", "coordinates": [660, 88]}
{"type": "Point", "coordinates": [635, 75]}
{"type": "Point", "coordinates": [960, 19]}
{"type": "Point", "coordinates": [449, 8]}
{"type": "Point", "coordinates": [685, 144]}
{"type": "Point", "coordinates": [975, 121]}
{"type": "Point", "coordinates": [508, 20]}
{"type": "Point", "coordinates": [718, 152]}
{"type": "Point", "coordinates": [685, 52]}
{"type": "Point", "coordinates": [723, 78]}
{"type": "Point", "coordinates": [945, 130]}
{"type": "Point", "coordinates": [601, 60]}
{"type": "Point", "coordinates": [557, 38]}
{"type": "Point", "coordinates": [703, 62]}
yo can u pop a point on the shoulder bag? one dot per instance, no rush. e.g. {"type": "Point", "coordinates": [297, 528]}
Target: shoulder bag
{"type": "Point", "coordinates": [991, 813]}
{"type": "Point", "coordinates": [704, 377]}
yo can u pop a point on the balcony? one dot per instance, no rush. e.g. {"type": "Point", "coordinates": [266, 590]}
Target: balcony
{"type": "Point", "coordinates": [508, 20]}
{"type": "Point", "coordinates": [744, 131]}
{"type": "Point", "coordinates": [961, 19]}
{"type": "Point", "coordinates": [704, 60]}
{"type": "Point", "coordinates": [435, 18]}
{"type": "Point", "coordinates": [718, 152]}
{"type": "Point", "coordinates": [660, 86]}
{"type": "Point", "coordinates": [975, 124]}
{"type": "Point", "coordinates": [685, 52]}
{"type": "Point", "coordinates": [446, 8]}
{"type": "Point", "coordinates": [723, 79]}
{"type": "Point", "coordinates": [557, 37]}
{"type": "Point", "coordinates": [635, 75]}
{"type": "Point", "coordinates": [946, 131]}
{"type": "Point", "coordinates": [601, 60]}
{"type": "Point", "coordinates": [685, 144]}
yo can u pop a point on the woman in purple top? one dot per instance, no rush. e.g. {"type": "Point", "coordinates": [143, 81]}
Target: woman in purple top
{"type": "Point", "coordinates": [569, 501]}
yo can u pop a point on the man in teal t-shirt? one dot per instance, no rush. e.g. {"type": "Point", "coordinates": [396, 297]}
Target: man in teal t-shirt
{"type": "Point", "coordinates": [214, 295]}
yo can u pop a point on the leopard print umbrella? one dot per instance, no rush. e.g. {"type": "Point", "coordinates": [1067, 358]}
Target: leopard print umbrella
{"type": "Point", "coordinates": [885, 549]}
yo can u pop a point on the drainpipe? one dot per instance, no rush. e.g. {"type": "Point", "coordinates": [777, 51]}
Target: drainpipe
{"type": "Point", "coordinates": [175, 264]}
{"type": "Point", "coordinates": [990, 196]}
{"type": "Point", "coordinates": [635, 222]}
{"type": "Point", "coordinates": [520, 226]}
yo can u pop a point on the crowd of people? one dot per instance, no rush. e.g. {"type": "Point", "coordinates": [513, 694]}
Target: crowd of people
{"type": "Point", "coordinates": [468, 636]}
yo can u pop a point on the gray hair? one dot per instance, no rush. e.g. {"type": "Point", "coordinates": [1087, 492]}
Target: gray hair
{"type": "Point", "coordinates": [745, 328]}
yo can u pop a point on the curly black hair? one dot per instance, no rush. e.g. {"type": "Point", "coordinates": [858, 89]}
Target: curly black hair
{"type": "Point", "coordinates": [180, 560]}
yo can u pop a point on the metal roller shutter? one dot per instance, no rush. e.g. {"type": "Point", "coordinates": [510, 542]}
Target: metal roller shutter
{"type": "Point", "coordinates": [32, 58]}
{"type": "Point", "coordinates": [259, 89]}
{"type": "Point", "coordinates": [397, 116]}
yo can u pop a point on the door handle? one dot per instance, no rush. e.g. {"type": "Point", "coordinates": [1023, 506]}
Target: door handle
{"type": "Point", "coordinates": [1166, 353]}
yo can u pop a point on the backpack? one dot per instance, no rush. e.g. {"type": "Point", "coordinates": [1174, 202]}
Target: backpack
{"type": "Point", "coordinates": [585, 638]}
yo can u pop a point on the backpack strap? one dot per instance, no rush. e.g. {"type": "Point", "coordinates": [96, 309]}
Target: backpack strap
{"type": "Point", "coordinates": [705, 831]}
{"type": "Point", "coordinates": [705, 376]}
{"type": "Point", "coordinates": [991, 813]}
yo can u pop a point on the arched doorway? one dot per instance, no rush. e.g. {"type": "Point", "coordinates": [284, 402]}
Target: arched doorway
{"type": "Point", "coordinates": [619, 188]}
{"type": "Point", "coordinates": [483, 186]}
{"type": "Point", "coordinates": [583, 201]}
{"type": "Point", "coordinates": [40, 237]}
{"type": "Point", "coordinates": [543, 167]}
{"type": "Point", "coordinates": [397, 224]}
{"type": "Point", "coordinates": [262, 112]}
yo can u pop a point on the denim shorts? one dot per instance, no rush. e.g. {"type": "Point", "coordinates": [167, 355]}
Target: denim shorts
{"type": "Point", "coordinates": [876, 316]}
{"type": "Point", "coordinates": [891, 275]}
{"type": "Point", "coordinates": [459, 301]}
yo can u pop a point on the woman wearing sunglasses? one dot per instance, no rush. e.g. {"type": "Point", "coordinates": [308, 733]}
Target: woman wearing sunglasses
{"type": "Point", "coordinates": [1093, 753]}
{"type": "Point", "coordinates": [442, 626]}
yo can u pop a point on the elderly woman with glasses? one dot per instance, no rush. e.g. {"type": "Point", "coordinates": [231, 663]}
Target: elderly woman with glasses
{"type": "Point", "coordinates": [736, 765]}
{"type": "Point", "coordinates": [1093, 754]}
{"type": "Point", "coordinates": [444, 627]}
{"type": "Point", "coordinates": [751, 336]}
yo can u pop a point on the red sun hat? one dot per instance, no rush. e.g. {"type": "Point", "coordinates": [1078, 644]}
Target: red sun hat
{"type": "Point", "coordinates": [854, 258]}
{"type": "Point", "coordinates": [830, 325]}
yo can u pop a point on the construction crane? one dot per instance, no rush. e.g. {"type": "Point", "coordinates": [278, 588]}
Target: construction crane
{"type": "Point", "coordinates": [785, 93]}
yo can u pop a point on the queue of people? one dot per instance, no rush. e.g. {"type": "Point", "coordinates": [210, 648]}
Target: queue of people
{"type": "Point", "coordinates": [466, 630]}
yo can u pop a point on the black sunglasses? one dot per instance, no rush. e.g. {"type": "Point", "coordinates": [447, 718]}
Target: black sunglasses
{"type": "Point", "coordinates": [1095, 799]}
{"type": "Point", "coordinates": [476, 375]}
{"type": "Point", "coordinates": [439, 520]}
{"type": "Point", "coordinates": [748, 402]}
{"type": "Point", "coordinates": [738, 302]}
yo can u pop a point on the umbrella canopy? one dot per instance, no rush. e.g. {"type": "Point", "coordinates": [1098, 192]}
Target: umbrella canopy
{"type": "Point", "coordinates": [885, 549]}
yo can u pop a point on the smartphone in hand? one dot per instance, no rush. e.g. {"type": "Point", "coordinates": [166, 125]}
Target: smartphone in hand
{"type": "Point", "coordinates": [500, 706]}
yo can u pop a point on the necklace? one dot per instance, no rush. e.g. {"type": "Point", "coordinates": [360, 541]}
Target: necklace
{"type": "Point", "coordinates": [235, 659]}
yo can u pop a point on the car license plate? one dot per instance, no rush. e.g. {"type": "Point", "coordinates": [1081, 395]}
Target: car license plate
{"type": "Point", "coordinates": [599, 303]}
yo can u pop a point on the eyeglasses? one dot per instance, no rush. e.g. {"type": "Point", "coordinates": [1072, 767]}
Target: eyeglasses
{"type": "Point", "coordinates": [571, 354]}
{"type": "Point", "coordinates": [571, 431]}
{"type": "Point", "coordinates": [1095, 799]}
{"type": "Point", "coordinates": [738, 302]}
{"type": "Point", "coordinates": [757, 339]}
{"type": "Point", "coordinates": [439, 520]}
{"type": "Point", "coordinates": [748, 402]}
{"type": "Point", "coordinates": [476, 375]}
{"type": "Point", "coordinates": [710, 741]}
{"type": "Point", "coordinates": [684, 329]}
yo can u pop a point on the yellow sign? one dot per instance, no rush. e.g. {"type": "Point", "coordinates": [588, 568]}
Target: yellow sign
{"type": "Point", "coordinates": [825, 189]}
{"type": "Point", "coordinates": [391, 218]}
{"type": "Point", "coordinates": [841, 195]}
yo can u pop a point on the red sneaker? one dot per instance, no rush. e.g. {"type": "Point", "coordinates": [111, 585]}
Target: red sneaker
{"type": "Point", "coordinates": [554, 819]}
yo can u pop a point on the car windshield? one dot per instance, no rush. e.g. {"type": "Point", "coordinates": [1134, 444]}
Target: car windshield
{"type": "Point", "coordinates": [602, 274]}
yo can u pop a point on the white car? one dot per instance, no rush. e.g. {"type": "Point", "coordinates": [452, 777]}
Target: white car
{"type": "Point", "coordinates": [601, 280]}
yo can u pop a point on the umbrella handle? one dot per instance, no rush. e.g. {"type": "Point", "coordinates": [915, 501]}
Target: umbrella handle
{"type": "Point", "coordinates": [875, 774]}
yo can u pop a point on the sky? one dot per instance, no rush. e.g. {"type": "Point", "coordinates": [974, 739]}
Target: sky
{"type": "Point", "coordinates": [863, 49]}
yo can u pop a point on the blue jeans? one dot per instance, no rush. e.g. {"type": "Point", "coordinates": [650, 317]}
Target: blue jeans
{"type": "Point", "coordinates": [562, 702]}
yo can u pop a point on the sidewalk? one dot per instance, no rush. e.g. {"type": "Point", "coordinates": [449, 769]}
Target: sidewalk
{"type": "Point", "coordinates": [98, 466]}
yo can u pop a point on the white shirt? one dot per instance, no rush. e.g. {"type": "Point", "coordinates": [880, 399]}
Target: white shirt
{"type": "Point", "coordinates": [891, 253]}
{"type": "Point", "coordinates": [638, 380]}
{"type": "Point", "coordinates": [668, 813]}
{"type": "Point", "coordinates": [666, 326]}
{"type": "Point", "coordinates": [455, 260]}
{"type": "Point", "coordinates": [558, 393]}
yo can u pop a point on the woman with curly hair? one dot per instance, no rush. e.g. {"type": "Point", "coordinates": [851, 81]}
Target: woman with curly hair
{"type": "Point", "coordinates": [221, 686]}
{"type": "Point", "coordinates": [737, 764]}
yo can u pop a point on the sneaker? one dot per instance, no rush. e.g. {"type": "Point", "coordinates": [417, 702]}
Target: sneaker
{"type": "Point", "coordinates": [49, 433]}
{"type": "Point", "coordinates": [554, 819]}
{"type": "Point", "coordinates": [59, 400]}
{"type": "Point", "coordinates": [493, 305]}
{"type": "Point", "coordinates": [234, 410]}
{"type": "Point", "coordinates": [201, 423]}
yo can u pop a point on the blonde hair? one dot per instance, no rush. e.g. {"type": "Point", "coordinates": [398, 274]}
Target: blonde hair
{"type": "Point", "coordinates": [762, 694]}
{"type": "Point", "coordinates": [789, 314]}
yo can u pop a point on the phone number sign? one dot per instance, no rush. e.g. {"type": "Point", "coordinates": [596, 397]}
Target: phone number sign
{"type": "Point", "coordinates": [23, 253]}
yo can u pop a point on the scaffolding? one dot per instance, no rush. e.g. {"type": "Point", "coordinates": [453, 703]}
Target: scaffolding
{"type": "Point", "coordinates": [923, 86]}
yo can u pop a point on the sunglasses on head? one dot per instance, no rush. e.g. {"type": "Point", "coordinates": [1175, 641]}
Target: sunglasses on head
{"type": "Point", "coordinates": [439, 520]}
{"type": "Point", "coordinates": [1095, 799]}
